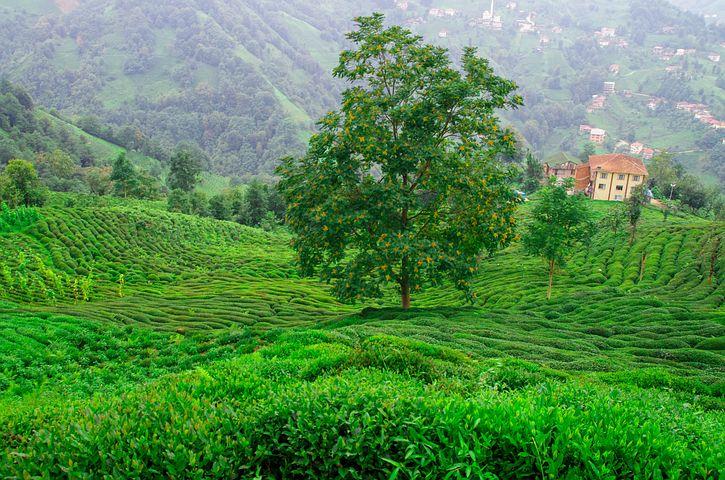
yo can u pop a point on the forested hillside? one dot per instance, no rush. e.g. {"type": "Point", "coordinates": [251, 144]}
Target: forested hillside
{"type": "Point", "coordinates": [246, 80]}
{"type": "Point", "coordinates": [67, 157]}
{"type": "Point", "coordinates": [238, 78]}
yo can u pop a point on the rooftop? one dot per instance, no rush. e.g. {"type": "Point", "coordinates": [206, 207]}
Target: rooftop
{"type": "Point", "coordinates": [617, 163]}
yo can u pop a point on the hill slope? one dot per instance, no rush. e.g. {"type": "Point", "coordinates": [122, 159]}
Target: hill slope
{"type": "Point", "coordinates": [245, 80]}
{"type": "Point", "coordinates": [191, 345]}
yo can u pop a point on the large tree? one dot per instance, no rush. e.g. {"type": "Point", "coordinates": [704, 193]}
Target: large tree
{"type": "Point", "coordinates": [401, 186]}
{"type": "Point", "coordinates": [559, 223]}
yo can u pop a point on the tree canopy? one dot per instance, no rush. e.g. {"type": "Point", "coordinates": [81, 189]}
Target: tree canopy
{"type": "Point", "coordinates": [401, 186]}
{"type": "Point", "coordinates": [184, 171]}
{"type": "Point", "coordinates": [20, 185]}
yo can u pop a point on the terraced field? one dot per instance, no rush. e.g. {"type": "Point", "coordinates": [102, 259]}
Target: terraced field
{"type": "Point", "coordinates": [131, 264]}
{"type": "Point", "coordinates": [198, 341]}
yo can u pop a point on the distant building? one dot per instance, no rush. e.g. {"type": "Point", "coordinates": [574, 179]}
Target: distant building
{"type": "Point", "coordinates": [621, 147]}
{"type": "Point", "coordinates": [648, 153]}
{"type": "Point", "coordinates": [613, 176]}
{"type": "Point", "coordinates": [402, 5]}
{"type": "Point", "coordinates": [489, 19]}
{"type": "Point", "coordinates": [714, 57]}
{"type": "Point", "coordinates": [614, 69]}
{"type": "Point", "coordinates": [597, 103]}
{"type": "Point", "coordinates": [636, 148]}
{"type": "Point", "coordinates": [443, 34]}
{"type": "Point", "coordinates": [562, 166]}
{"type": "Point", "coordinates": [557, 30]}
{"type": "Point", "coordinates": [585, 129]}
{"type": "Point", "coordinates": [609, 87]}
{"type": "Point", "coordinates": [597, 135]}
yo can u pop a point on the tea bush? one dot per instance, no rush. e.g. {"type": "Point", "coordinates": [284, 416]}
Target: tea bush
{"type": "Point", "coordinates": [302, 408]}
{"type": "Point", "coordinates": [137, 343]}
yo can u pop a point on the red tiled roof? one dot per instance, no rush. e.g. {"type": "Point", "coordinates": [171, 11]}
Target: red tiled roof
{"type": "Point", "coordinates": [617, 163]}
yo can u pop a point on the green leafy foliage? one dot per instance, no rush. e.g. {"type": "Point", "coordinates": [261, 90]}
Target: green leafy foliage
{"type": "Point", "coordinates": [20, 185]}
{"type": "Point", "coordinates": [184, 171]}
{"type": "Point", "coordinates": [401, 185]}
{"type": "Point", "coordinates": [156, 373]}
{"type": "Point", "coordinates": [303, 407]}
{"type": "Point", "coordinates": [559, 223]}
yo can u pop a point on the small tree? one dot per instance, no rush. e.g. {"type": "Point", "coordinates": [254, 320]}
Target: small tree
{"type": "Point", "coordinates": [559, 223]}
{"type": "Point", "coordinates": [533, 174]}
{"type": "Point", "coordinates": [589, 150]}
{"type": "Point", "coordinates": [634, 210]}
{"type": "Point", "coordinates": [98, 180]}
{"type": "Point", "coordinates": [256, 203]}
{"type": "Point", "coordinates": [20, 185]}
{"type": "Point", "coordinates": [615, 219]}
{"type": "Point", "coordinates": [123, 175]}
{"type": "Point", "coordinates": [184, 171]}
{"type": "Point", "coordinates": [402, 186]}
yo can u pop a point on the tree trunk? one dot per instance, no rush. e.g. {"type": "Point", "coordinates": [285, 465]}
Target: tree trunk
{"type": "Point", "coordinates": [405, 294]}
{"type": "Point", "coordinates": [551, 279]}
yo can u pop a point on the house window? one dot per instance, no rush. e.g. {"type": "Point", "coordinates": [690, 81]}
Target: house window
{"type": "Point", "coordinates": [620, 188]}
{"type": "Point", "coordinates": [636, 178]}
{"type": "Point", "coordinates": [618, 197]}
{"type": "Point", "coordinates": [621, 177]}
{"type": "Point", "coordinates": [602, 175]}
{"type": "Point", "coordinates": [602, 186]}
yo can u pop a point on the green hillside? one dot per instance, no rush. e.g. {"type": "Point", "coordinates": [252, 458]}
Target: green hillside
{"type": "Point", "coordinates": [263, 69]}
{"type": "Point", "coordinates": [191, 345]}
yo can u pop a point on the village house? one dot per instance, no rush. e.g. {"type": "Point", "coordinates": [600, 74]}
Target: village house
{"type": "Point", "coordinates": [597, 103]}
{"type": "Point", "coordinates": [597, 135]}
{"type": "Point", "coordinates": [607, 32]}
{"type": "Point", "coordinates": [585, 129]}
{"type": "Point", "coordinates": [402, 5]}
{"type": "Point", "coordinates": [636, 148]}
{"type": "Point", "coordinates": [443, 34]}
{"type": "Point", "coordinates": [648, 153]}
{"type": "Point", "coordinates": [612, 176]}
{"type": "Point", "coordinates": [609, 87]}
{"type": "Point", "coordinates": [562, 166]}
{"type": "Point", "coordinates": [614, 69]}
{"type": "Point", "coordinates": [714, 57]}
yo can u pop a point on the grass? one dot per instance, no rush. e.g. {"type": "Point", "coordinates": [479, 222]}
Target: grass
{"type": "Point", "coordinates": [174, 344]}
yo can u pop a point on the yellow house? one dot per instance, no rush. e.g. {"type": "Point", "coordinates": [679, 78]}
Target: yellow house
{"type": "Point", "coordinates": [614, 176]}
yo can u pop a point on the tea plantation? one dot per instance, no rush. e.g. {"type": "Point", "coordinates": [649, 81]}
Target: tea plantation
{"type": "Point", "coordinates": [135, 343]}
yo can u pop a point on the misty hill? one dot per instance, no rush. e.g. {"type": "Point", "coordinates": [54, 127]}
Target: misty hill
{"type": "Point", "coordinates": [246, 79]}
